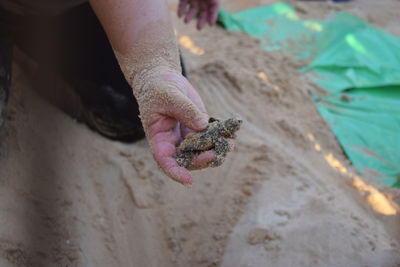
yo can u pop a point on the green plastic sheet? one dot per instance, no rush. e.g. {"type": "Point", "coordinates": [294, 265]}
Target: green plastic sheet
{"type": "Point", "coordinates": [356, 64]}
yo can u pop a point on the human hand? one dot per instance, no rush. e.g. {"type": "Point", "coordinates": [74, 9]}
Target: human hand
{"type": "Point", "coordinates": [204, 10]}
{"type": "Point", "coordinates": [169, 111]}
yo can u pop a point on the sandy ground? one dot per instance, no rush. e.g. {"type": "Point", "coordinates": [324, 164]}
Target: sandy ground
{"type": "Point", "coordinates": [286, 197]}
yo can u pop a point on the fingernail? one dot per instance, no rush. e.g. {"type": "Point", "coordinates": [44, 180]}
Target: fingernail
{"type": "Point", "coordinates": [202, 123]}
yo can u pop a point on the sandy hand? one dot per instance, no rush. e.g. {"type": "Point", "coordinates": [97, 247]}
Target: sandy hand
{"type": "Point", "coordinates": [171, 108]}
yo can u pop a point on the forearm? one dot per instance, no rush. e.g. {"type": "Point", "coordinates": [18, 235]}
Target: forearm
{"type": "Point", "coordinates": [141, 34]}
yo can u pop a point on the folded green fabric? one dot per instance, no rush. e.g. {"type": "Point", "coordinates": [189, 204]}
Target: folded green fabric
{"type": "Point", "coordinates": [359, 67]}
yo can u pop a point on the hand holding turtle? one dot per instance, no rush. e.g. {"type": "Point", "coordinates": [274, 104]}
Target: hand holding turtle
{"type": "Point", "coordinates": [173, 110]}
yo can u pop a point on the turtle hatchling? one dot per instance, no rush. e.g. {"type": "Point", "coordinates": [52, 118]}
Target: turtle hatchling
{"type": "Point", "coordinates": [214, 137]}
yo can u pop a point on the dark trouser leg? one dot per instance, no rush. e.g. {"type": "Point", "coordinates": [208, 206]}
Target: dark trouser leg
{"type": "Point", "coordinates": [75, 45]}
{"type": "Point", "coordinates": [5, 69]}
{"type": "Point", "coordinates": [182, 66]}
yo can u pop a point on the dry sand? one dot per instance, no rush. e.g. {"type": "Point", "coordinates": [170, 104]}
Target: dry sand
{"type": "Point", "coordinates": [285, 197]}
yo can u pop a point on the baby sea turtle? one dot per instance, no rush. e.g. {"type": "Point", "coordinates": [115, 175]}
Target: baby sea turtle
{"type": "Point", "coordinates": [213, 137]}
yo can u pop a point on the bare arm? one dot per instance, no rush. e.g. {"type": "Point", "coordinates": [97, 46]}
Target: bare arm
{"type": "Point", "coordinates": [123, 20]}
{"type": "Point", "coordinates": [141, 34]}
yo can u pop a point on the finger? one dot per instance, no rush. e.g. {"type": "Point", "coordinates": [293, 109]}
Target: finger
{"type": "Point", "coordinates": [213, 12]}
{"type": "Point", "coordinates": [185, 131]}
{"type": "Point", "coordinates": [162, 124]}
{"type": "Point", "coordinates": [181, 108]}
{"type": "Point", "coordinates": [202, 20]}
{"type": "Point", "coordinates": [202, 16]}
{"type": "Point", "coordinates": [202, 160]}
{"type": "Point", "coordinates": [176, 172]}
{"type": "Point", "coordinates": [193, 95]}
{"type": "Point", "coordinates": [182, 8]}
{"type": "Point", "coordinates": [187, 90]}
{"type": "Point", "coordinates": [192, 11]}
{"type": "Point", "coordinates": [178, 132]}
{"type": "Point", "coordinates": [164, 151]}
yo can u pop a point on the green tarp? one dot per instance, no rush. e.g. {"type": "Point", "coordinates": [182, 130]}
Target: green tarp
{"type": "Point", "coordinates": [357, 64]}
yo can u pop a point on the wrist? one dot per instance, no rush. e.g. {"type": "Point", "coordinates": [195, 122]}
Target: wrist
{"type": "Point", "coordinates": [154, 80]}
{"type": "Point", "coordinates": [155, 50]}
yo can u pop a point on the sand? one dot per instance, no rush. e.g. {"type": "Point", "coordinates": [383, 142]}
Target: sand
{"type": "Point", "coordinates": [287, 196]}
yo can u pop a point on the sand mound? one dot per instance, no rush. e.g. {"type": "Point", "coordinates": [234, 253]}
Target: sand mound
{"type": "Point", "coordinates": [68, 197]}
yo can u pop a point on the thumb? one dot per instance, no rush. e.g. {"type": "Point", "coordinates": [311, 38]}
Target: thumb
{"type": "Point", "coordinates": [186, 112]}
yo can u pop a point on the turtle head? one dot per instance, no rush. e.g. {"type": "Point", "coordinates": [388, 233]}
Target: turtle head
{"type": "Point", "coordinates": [230, 126]}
